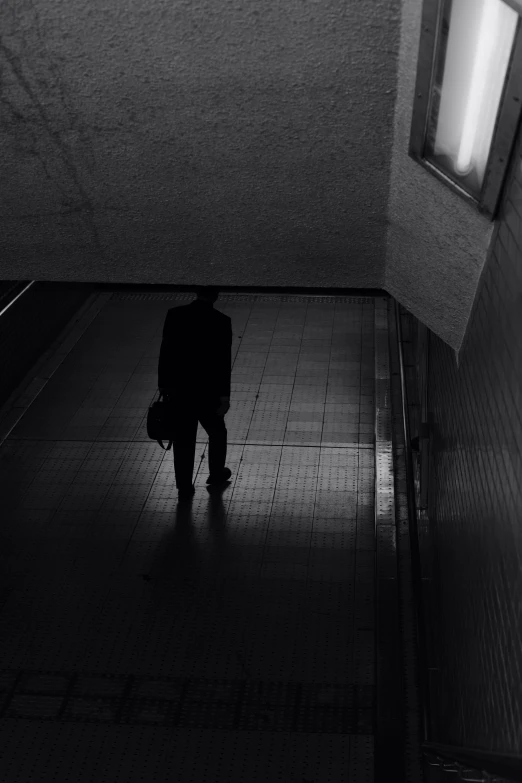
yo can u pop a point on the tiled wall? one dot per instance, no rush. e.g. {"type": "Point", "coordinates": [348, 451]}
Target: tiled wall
{"type": "Point", "coordinates": [29, 326]}
{"type": "Point", "coordinates": [475, 501]}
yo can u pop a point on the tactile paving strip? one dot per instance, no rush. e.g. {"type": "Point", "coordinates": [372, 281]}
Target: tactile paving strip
{"type": "Point", "coordinates": [389, 731]}
{"type": "Point", "coordinates": [414, 771]}
{"type": "Point", "coordinates": [132, 754]}
{"type": "Point", "coordinates": [187, 702]}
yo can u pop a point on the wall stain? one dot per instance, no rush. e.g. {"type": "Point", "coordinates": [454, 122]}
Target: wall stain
{"type": "Point", "coordinates": [25, 131]}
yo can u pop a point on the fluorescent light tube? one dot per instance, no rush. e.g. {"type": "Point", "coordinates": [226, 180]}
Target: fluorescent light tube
{"type": "Point", "coordinates": [480, 41]}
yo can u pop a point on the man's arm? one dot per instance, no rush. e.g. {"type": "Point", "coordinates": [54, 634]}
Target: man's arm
{"type": "Point", "coordinates": [226, 371]}
{"type": "Point", "coordinates": [225, 367]}
{"type": "Point", "coordinates": [165, 358]}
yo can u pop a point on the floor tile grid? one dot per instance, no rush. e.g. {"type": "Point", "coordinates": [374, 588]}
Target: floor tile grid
{"type": "Point", "coordinates": [258, 325]}
{"type": "Point", "coordinates": [363, 750]}
{"type": "Point", "coordinates": [130, 419]}
{"type": "Point", "coordinates": [65, 477]}
{"type": "Point", "coordinates": [288, 381]}
{"type": "Point", "coordinates": [130, 754]}
{"type": "Point", "coordinates": [51, 541]}
{"type": "Point", "coordinates": [90, 378]}
{"type": "Point", "coordinates": [29, 389]}
{"type": "Point", "coordinates": [235, 414]}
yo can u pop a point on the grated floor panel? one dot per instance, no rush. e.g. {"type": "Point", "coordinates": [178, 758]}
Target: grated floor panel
{"type": "Point", "coordinates": [230, 640]}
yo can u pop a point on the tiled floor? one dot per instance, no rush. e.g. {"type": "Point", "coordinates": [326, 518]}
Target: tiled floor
{"type": "Point", "coordinates": [231, 640]}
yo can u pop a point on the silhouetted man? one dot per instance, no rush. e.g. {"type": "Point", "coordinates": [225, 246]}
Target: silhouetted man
{"type": "Point", "coordinates": [194, 373]}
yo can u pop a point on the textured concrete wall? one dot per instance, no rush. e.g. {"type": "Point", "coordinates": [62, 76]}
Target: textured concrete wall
{"type": "Point", "coordinates": [437, 242]}
{"type": "Point", "coordinates": [189, 142]}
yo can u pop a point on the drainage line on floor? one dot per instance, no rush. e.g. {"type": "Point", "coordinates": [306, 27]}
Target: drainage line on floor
{"type": "Point", "coordinates": [414, 547]}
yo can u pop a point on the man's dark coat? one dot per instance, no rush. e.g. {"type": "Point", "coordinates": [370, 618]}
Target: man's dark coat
{"type": "Point", "coordinates": [196, 352]}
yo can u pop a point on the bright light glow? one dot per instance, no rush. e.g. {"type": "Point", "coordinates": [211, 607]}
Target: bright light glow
{"type": "Point", "coordinates": [477, 91]}
{"type": "Point", "coordinates": [480, 40]}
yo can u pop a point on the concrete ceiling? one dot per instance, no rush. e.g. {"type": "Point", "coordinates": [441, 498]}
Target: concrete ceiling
{"type": "Point", "coordinates": [232, 142]}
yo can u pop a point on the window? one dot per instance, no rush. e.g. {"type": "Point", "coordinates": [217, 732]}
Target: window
{"type": "Point", "coordinates": [468, 95]}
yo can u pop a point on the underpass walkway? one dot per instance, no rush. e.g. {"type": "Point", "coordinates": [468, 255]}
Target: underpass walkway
{"type": "Point", "coordinates": [232, 639]}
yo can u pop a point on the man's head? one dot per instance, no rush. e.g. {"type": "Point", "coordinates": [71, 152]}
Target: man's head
{"type": "Point", "coordinates": [207, 293]}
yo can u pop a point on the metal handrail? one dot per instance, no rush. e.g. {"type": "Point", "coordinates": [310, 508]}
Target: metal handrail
{"type": "Point", "coordinates": [4, 309]}
{"type": "Point", "coordinates": [460, 760]}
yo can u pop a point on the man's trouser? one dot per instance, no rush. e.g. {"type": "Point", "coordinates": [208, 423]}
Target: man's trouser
{"type": "Point", "coordinates": [184, 417]}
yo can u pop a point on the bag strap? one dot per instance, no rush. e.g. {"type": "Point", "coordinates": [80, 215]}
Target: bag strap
{"type": "Point", "coordinates": [160, 441]}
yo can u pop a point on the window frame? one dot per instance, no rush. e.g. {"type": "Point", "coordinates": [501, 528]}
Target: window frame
{"type": "Point", "coordinates": [508, 118]}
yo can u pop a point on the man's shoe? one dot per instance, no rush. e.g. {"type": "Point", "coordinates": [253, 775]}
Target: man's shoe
{"type": "Point", "coordinates": [221, 478]}
{"type": "Point", "coordinates": [186, 494]}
